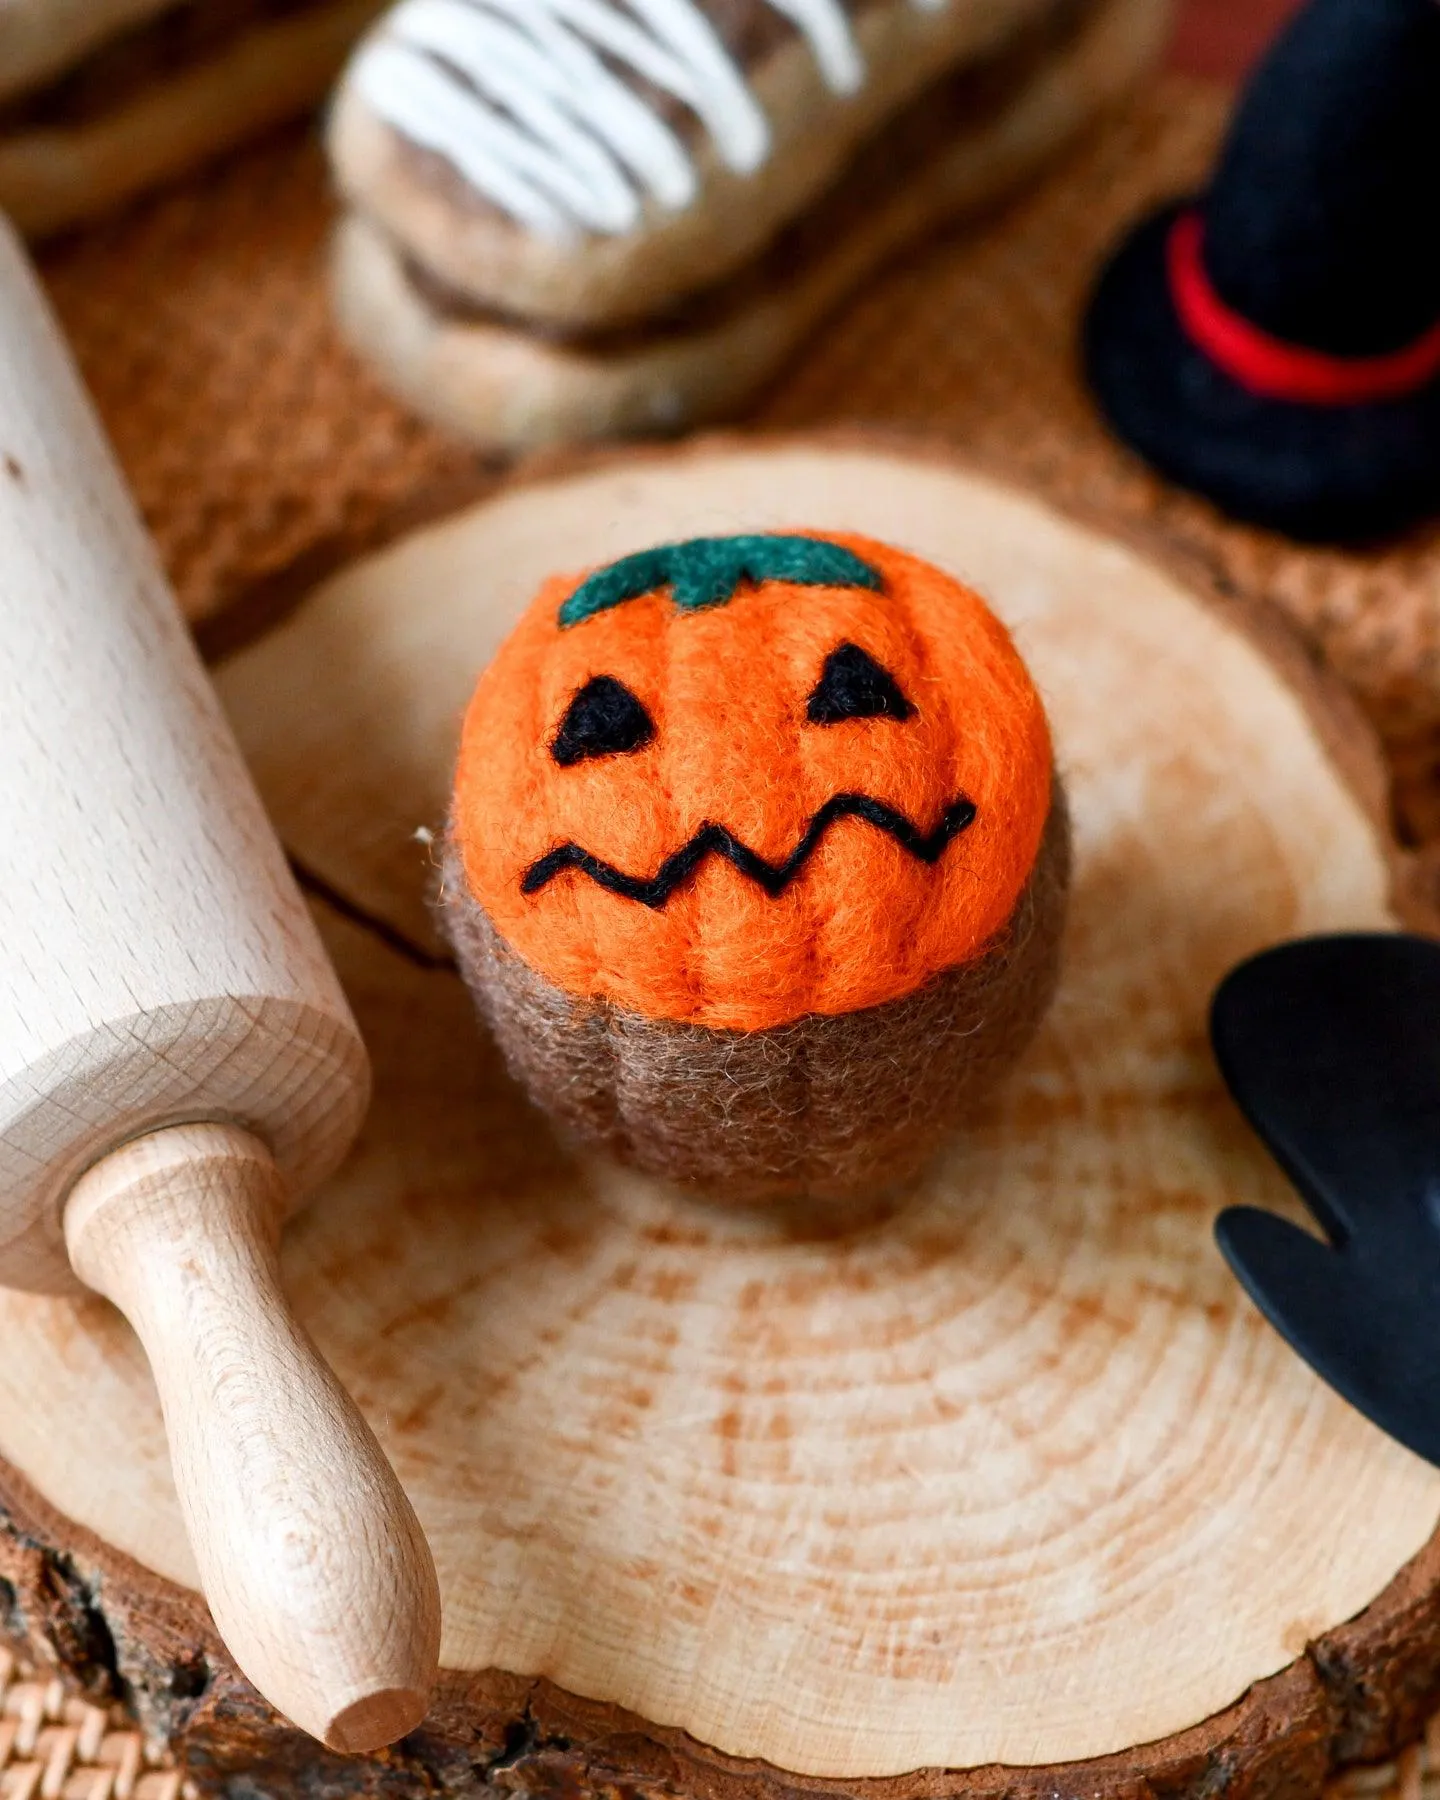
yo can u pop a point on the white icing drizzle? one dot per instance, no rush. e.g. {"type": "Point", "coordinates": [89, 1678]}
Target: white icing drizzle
{"type": "Point", "coordinates": [526, 99]}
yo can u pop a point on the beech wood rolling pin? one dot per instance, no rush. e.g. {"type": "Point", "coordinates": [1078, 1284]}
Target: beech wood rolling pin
{"type": "Point", "coordinates": [177, 1066]}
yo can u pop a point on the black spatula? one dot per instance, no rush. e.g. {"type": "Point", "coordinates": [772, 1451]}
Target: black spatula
{"type": "Point", "coordinates": [1331, 1046]}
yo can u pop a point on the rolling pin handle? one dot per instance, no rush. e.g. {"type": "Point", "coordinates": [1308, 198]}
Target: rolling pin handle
{"type": "Point", "coordinates": [310, 1556]}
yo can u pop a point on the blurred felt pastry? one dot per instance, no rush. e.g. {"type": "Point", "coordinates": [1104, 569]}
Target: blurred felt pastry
{"type": "Point", "coordinates": [101, 99]}
{"type": "Point", "coordinates": [575, 218]}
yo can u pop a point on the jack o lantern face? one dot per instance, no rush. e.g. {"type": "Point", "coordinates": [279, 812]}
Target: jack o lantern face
{"type": "Point", "coordinates": [740, 780]}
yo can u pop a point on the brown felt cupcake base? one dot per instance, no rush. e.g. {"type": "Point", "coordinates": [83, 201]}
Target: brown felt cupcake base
{"type": "Point", "coordinates": [820, 1109]}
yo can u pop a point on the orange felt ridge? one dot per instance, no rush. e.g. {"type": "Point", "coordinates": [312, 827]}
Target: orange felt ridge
{"type": "Point", "coordinates": [865, 921]}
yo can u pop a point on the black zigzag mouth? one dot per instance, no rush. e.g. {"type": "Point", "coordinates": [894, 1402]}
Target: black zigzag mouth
{"type": "Point", "coordinates": [774, 878]}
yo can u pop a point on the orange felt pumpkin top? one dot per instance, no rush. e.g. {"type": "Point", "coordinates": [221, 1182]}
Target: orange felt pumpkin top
{"type": "Point", "coordinates": [740, 780]}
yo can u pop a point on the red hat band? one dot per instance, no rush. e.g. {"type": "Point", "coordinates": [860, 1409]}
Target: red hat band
{"type": "Point", "coordinates": [1269, 367]}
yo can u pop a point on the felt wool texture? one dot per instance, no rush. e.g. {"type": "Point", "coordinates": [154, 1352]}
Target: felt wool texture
{"type": "Point", "coordinates": [604, 718]}
{"type": "Point", "coordinates": [774, 877]}
{"type": "Point", "coordinates": [425, 195]}
{"type": "Point", "coordinates": [748, 865]}
{"type": "Point", "coordinates": [708, 571]}
{"type": "Point", "coordinates": [1270, 366]}
{"type": "Point", "coordinates": [852, 685]}
{"type": "Point", "coordinates": [821, 1108]}
{"type": "Point", "coordinates": [1314, 235]}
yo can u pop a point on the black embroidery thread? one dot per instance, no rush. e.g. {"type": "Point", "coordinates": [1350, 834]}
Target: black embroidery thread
{"type": "Point", "coordinates": [774, 878]}
{"type": "Point", "coordinates": [853, 685]}
{"type": "Point", "coordinates": [603, 719]}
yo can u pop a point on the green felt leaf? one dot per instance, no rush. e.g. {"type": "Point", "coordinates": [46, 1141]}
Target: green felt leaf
{"type": "Point", "coordinates": [708, 571]}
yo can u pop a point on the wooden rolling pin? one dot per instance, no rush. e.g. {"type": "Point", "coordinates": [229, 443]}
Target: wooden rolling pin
{"type": "Point", "coordinates": [177, 1066]}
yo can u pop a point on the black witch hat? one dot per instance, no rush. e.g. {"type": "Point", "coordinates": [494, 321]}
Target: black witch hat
{"type": "Point", "coordinates": [1275, 342]}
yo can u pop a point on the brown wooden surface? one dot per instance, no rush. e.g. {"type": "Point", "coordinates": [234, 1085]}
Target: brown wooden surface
{"type": "Point", "coordinates": [567, 1374]}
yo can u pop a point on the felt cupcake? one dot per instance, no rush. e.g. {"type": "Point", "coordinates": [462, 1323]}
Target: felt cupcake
{"type": "Point", "coordinates": [758, 860]}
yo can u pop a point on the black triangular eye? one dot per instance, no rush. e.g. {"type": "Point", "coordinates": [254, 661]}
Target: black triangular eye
{"type": "Point", "coordinates": [603, 719]}
{"type": "Point", "coordinates": [852, 685]}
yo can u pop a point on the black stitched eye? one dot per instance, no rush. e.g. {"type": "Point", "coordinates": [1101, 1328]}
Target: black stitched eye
{"type": "Point", "coordinates": [603, 719]}
{"type": "Point", "coordinates": [852, 685]}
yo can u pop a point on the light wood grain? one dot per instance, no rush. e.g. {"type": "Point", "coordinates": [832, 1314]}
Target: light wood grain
{"type": "Point", "coordinates": [155, 962]}
{"type": "Point", "coordinates": [1014, 1476]}
{"type": "Point", "coordinates": [157, 966]}
{"type": "Point", "coordinates": [309, 1557]}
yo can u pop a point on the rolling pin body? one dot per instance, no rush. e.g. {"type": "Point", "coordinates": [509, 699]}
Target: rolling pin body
{"type": "Point", "coordinates": [177, 1065]}
{"type": "Point", "coordinates": [156, 963]}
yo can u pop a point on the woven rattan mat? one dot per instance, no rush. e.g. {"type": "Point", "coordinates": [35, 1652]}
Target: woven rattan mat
{"type": "Point", "coordinates": [56, 1748]}
{"type": "Point", "coordinates": [260, 450]}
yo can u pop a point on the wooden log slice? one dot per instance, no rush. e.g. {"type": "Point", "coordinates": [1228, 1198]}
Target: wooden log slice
{"type": "Point", "coordinates": [1009, 1493]}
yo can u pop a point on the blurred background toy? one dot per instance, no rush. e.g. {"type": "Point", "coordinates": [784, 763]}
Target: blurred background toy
{"type": "Point", "coordinates": [1275, 342]}
{"type": "Point", "coordinates": [100, 99]}
{"type": "Point", "coordinates": [572, 223]}
{"type": "Point", "coordinates": [1329, 1045]}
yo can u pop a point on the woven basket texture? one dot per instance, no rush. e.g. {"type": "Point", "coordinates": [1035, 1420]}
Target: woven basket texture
{"type": "Point", "coordinates": [260, 450]}
{"type": "Point", "coordinates": [56, 1748]}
